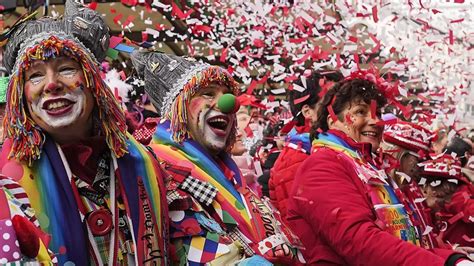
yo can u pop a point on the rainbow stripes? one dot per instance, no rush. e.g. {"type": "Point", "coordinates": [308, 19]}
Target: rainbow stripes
{"type": "Point", "coordinates": [47, 185]}
{"type": "Point", "coordinates": [228, 201]}
{"type": "Point", "coordinates": [391, 214]}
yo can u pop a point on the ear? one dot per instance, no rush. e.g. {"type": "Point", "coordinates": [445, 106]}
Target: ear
{"type": "Point", "coordinates": [306, 111]}
{"type": "Point", "coordinates": [330, 122]}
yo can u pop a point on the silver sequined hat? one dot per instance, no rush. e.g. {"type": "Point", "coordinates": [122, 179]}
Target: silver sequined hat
{"type": "Point", "coordinates": [166, 76]}
{"type": "Point", "coordinates": [79, 23]}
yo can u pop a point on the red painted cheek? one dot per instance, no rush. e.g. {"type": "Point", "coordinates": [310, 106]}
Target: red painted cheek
{"type": "Point", "coordinates": [30, 93]}
{"type": "Point", "coordinates": [195, 106]}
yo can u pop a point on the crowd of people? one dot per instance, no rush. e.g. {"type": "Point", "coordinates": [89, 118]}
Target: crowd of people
{"type": "Point", "coordinates": [182, 170]}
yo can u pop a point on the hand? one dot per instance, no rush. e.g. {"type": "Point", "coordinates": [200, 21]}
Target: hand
{"type": "Point", "coordinates": [465, 250]}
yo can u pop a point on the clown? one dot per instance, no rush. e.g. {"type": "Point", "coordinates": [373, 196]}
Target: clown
{"type": "Point", "coordinates": [214, 217]}
{"type": "Point", "coordinates": [85, 180]}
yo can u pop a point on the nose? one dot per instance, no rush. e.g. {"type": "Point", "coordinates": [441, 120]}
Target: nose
{"type": "Point", "coordinates": [52, 83]}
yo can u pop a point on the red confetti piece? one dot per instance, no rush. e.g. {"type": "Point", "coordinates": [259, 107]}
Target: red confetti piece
{"type": "Point", "coordinates": [353, 39]}
{"type": "Point", "coordinates": [374, 14]}
{"type": "Point", "coordinates": [117, 18]}
{"type": "Point", "coordinates": [177, 12]}
{"type": "Point", "coordinates": [302, 99]}
{"type": "Point", "coordinates": [451, 37]}
{"type": "Point", "coordinates": [248, 132]}
{"type": "Point", "coordinates": [435, 11]}
{"type": "Point", "coordinates": [251, 87]}
{"type": "Point", "coordinates": [93, 5]}
{"type": "Point", "coordinates": [332, 114]}
{"type": "Point", "coordinates": [129, 20]}
{"type": "Point", "coordinates": [373, 109]}
{"type": "Point", "coordinates": [457, 20]}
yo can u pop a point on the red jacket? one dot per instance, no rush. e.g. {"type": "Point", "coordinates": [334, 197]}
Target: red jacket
{"type": "Point", "coordinates": [330, 210]}
{"type": "Point", "coordinates": [282, 176]}
{"type": "Point", "coordinates": [457, 219]}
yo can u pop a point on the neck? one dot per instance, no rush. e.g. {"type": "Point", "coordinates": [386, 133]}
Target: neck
{"type": "Point", "coordinates": [68, 137]}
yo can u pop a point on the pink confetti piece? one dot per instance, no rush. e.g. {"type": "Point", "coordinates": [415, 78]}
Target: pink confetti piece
{"type": "Point", "coordinates": [114, 41]}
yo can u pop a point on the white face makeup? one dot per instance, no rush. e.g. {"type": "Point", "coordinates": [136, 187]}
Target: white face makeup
{"type": "Point", "coordinates": [60, 111]}
{"type": "Point", "coordinates": [216, 128]}
{"type": "Point", "coordinates": [206, 124]}
{"type": "Point", "coordinates": [57, 98]}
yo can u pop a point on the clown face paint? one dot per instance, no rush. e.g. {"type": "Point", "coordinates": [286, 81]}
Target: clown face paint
{"type": "Point", "coordinates": [206, 123]}
{"type": "Point", "coordinates": [57, 98]}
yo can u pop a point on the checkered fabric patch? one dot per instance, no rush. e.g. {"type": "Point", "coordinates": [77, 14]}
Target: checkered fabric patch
{"type": "Point", "coordinates": [172, 196]}
{"type": "Point", "coordinates": [201, 191]}
{"type": "Point", "coordinates": [236, 235]}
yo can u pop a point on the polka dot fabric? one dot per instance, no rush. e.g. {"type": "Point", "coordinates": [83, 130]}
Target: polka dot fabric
{"type": "Point", "coordinates": [9, 250]}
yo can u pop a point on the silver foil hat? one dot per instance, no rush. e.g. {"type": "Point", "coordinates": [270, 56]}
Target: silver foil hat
{"type": "Point", "coordinates": [79, 23]}
{"type": "Point", "coordinates": [165, 75]}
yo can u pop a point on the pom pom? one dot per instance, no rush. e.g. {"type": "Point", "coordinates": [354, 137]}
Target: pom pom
{"type": "Point", "coordinates": [27, 236]}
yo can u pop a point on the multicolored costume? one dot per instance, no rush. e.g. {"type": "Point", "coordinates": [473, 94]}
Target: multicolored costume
{"type": "Point", "coordinates": [53, 200]}
{"type": "Point", "coordinates": [212, 211]}
{"type": "Point", "coordinates": [97, 196]}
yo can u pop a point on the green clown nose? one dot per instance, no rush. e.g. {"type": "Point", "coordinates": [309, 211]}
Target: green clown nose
{"type": "Point", "coordinates": [228, 103]}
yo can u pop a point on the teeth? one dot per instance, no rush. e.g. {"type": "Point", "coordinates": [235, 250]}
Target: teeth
{"type": "Point", "coordinates": [217, 120]}
{"type": "Point", "coordinates": [55, 105]}
{"type": "Point", "coordinates": [373, 134]}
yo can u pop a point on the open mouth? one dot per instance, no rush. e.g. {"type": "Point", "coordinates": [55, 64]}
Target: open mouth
{"type": "Point", "coordinates": [218, 124]}
{"type": "Point", "coordinates": [372, 134]}
{"type": "Point", "coordinates": [57, 106]}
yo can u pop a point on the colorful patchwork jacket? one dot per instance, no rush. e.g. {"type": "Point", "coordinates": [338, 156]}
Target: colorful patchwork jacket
{"type": "Point", "coordinates": [70, 235]}
{"type": "Point", "coordinates": [214, 217]}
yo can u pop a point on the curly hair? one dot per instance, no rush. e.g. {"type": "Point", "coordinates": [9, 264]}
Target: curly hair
{"type": "Point", "coordinates": [312, 89]}
{"type": "Point", "coordinates": [343, 94]}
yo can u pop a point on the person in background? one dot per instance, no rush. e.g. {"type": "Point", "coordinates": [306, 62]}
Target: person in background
{"type": "Point", "coordinates": [239, 151]}
{"type": "Point", "coordinates": [439, 143]}
{"type": "Point", "coordinates": [461, 148]}
{"type": "Point", "coordinates": [342, 206]}
{"type": "Point", "coordinates": [303, 106]}
{"type": "Point", "coordinates": [215, 218]}
{"type": "Point", "coordinates": [405, 146]}
{"type": "Point", "coordinates": [74, 182]}
{"type": "Point", "coordinates": [451, 199]}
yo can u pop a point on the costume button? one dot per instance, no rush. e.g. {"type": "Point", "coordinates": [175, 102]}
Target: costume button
{"type": "Point", "coordinates": [100, 222]}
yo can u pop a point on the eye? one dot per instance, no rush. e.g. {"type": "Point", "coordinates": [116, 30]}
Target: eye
{"type": "Point", "coordinates": [361, 112]}
{"type": "Point", "coordinates": [208, 95]}
{"type": "Point", "coordinates": [67, 72]}
{"type": "Point", "coordinates": [35, 78]}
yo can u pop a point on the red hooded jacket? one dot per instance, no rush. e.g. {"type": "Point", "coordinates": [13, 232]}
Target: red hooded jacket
{"type": "Point", "coordinates": [330, 210]}
{"type": "Point", "coordinates": [457, 219]}
{"type": "Point", "coordinates": [282, 174]}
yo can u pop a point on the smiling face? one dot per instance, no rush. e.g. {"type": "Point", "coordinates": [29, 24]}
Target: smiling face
{"type": "Point", "coordinates": [57, 98]}
{"type": "Point", "coordinates": [357, 121]}
{"type": "Point", "coordinates": [206, 123]}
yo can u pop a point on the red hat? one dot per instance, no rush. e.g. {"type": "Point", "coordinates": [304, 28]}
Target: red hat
{"type": "Point", "coordinates": [409, 136]}
{"type": "Point", "coordinates": [444, 166]}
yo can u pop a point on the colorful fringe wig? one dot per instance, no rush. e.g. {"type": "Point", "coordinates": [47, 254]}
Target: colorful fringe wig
{"type": "Point", "coordinates": [178, 112]}
{"type": "Point", "coordinates": [28, 138]}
